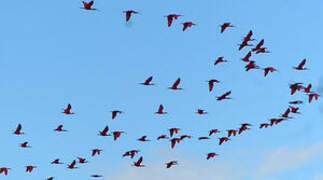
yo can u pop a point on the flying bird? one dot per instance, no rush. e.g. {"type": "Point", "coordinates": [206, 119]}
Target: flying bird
{"type": "Point", "coordinates": [176, 83]}
{"type": "Point", "coordinates": [138, 163]}
{"type": "Point", "coordinates": [96, 151]}
{"type": "Point", "coordinates": [244, 44]}
{"type": "Point", "coordinates": [224, 96]}
{"type": "Point", "coordinates": [147, 82]}
{"type": "Point", "coordinates": [18, 130]}
{"type": "Point", "coordinates": [117, 134]}
{"type": "Point", "coordinates": [296, 102]}
{"type": "Point", "coordinates": [268, 69]}
{"type": "Point", "coordinates": [251, 65]}
{"type": "Point", "coordinates": [56, 161]}
{"type": "Point", "coordinates": [131, 153]}
{"type": "Point", "coordinates": [4, 170]}
{"type": "Point", "coordinates": [220, 60]}
{"type": "Point", "coordinates": [232, 132]}
{"type": "Point", "coordinates": [104, 132]}
{"type": "Point", "coordinates": [211, 155]}
{"type": "Point", "coordinates": [96, 175]}
{"type": "Point", "coordinates": [162, 137]}
{"type": "Point", "coordinates": [60, 129]}
{"type": "Point", "coordinates": [308, 88]}
{"type": "Point", "coordinates": [187, 24]}
{"type": "Point", "coordinates": [172, 131]}
{"type": "Point", "coordinates": [211, 83]}
{"type": "Point", "coordinates": [81, 160]}
{"type": "Point", "coordinates": [160, 110]}
{"type": "Point", "coordinates": [225, 25]}
{"type": "Point", "coordinates": [88, 5]}
{"type": "Point", "coordinates": [213, 131]}
{"type": "Point", "coordinates": [263, 125]}
{"type": "Point", "coordinates": [170, 164]}
{"type": "Point", "coordinates": [25, 145]}
{"type": "Point", "coordinates": [262, 50]}
{"type": "Point", "coordinates": [72, 165]}
{"type": "Point", "coordinates": [114, 113]}
{"type": "Point", "coordinates": [68, 110]}
{"type": "Point", "coordinates": [301, 65]}
{"type": "Point", "coordinates": [201, 111]}
{"type": "Point", "coordinates": [170, 18]}
{"type": "Point", "coordinates": [222, 139]}
{"type": "Point", "coordinates": [258, 46]}
{"type": "Point", "coordinates": [30, 168]}
{"type": "Point", "coordinates": [295, 87]}
{"type": "Point", "coordinates": [294, 109]}
{"type": "Point", "coordinates": [203, 138]}
{"type": "Point", "coordinates": [143, 139]}
{"type": "Point", "coordinates": [174, 141]}
{"type": "Point", "coordinates": [311, 95]}
{"type": "Point", "coordinates": [129, 13]}
{"type": "Point", "coordinates": [246, 58]}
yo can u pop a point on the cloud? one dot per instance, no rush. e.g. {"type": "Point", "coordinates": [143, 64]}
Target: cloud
{"type": "Point", "coordinates": [263, 164]}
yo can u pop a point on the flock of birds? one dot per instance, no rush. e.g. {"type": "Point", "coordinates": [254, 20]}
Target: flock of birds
{"type": "Point", "coordinates": [172, 132]}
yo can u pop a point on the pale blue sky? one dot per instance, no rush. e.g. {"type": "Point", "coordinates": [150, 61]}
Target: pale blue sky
{"type": "Point", "coordinates": [53, 53]}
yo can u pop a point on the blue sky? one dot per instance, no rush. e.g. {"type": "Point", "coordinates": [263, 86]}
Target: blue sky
{"type": "Point", "coordinates": [54, 53]}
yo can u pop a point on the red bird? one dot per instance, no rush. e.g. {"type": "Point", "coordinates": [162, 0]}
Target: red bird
{"type": "Point", "coordinates": [18, 130]}
{"type": "Point", "coordinates": [72, 165]}
{"type": "Point", "coordinates": [246, 58]}
{"type": "Point", "coordinates": [211, 83]}
{"type": "Point", "coordinates": [128, 14]}
{"type": "Point", "coordinates": [56, 161]}
{"type": "Point", "coordinates": [300, 65]}
{"type": "Point", "coordinates": [311, 95]}
{"type": "Point", "coordinates": [171, 163]}
{"type": "Point", "coordinates": [294, 109]}
{"type": "Point", "coordinates": [263, 125]}
{"type": "Point", "coordinates": [170, 18]}
{"type": "Point", "coordinates": [25, 145]}
{"type": "Point", "coordinates": [243, 128]}
{"type": "Point", "coordinates": [224, 96]}
{"type": "Point", "coordinates": [104, 132]}
{"type": "Point", "coordinates": [82, 160]}
{"type": "Point", "coordinates": [275, 121]}
{"type": "Point", "coordinates": [138, 163]}
{"type": "Point", "coordinates": [174, 141]}
{"type": "Point", "coordinates": [201, 111]}
{"type": "Point", "coordinates": [4, 170]}
{"type": "Point", "coordinates": [268, 69]}
{"type": "Point", "coordinates": [114, 113]}
{"type": "Point", "coordinates": [285, 115]}
{"type": "Point", "coordinates": [187, 24]}
{"type": "Point", "coordinates": [295, 87]}
{"type": "Point", "coordinates": [176, 83]}
{"type": "Point", "coordinates": [131, 153]}
{"type": "Point", "coordinates": [87, 5]}
{"type": "Point", "coordinates": [147, 82]}
{"type": "Point", "coordinates": [213, 131]}
{"type": "Point", "coordinates": [296, 102]}
{"type": "Point", "coordinates": [222, 139]}
{"type": "Point", "coordinates": [262, 50]}
{"type": "Point", "coordinates": [185, 136]}
{"type": "Point", "coordinates": [220, 60]}
{"type": "Point", "coordinates": [60, 129]}
{"type": "Point", "coordinates": [211, 155]}
{"type": "Point", "coordinates": [244, 44]}
{"type": "Point", "coordinates": [30, 168]}
{"type": "Point", "coordinates": [143, 139]}
{"type": "Point", "coordinates": [68, 110]}
{"type": "Point", "coordinates": [172, 131]}
{"type": "Point", "coordinates": [248, 37]}
{"type": "Point", "coordinates": [308, 88]}
{"type": "Point", "coordinates": [245, 125]}
{"type": "Point", "coordinates": [117, 134]}
{"type": "Point", "coordinates": [50, 178]}
{"type": "Point", "coordinates": [258, 46]}
{"type": "Point", "coordinates": [251, 65]}
{"type": "Point", "coordinates": [162, 137]}
{"type": "Point", "coordinates": [231, 131]}
{"type": "Point", "coordinates": [96, 175]}
{"type": "Point", "coordinates": [203, 138]}
{"type": "Point", "coordinates": [96, 151]}
{"type": "Point", "coordinates": [160, 110]}
{"type": "Point", "coordinates": [225, 25]}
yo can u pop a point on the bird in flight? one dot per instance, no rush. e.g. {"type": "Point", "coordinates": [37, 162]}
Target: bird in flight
{"type": "Point", "coordinates": [225, 25]}
{"type": "Point", "coordinates": [176, 83]}
{"type": "Point", "coordinates": [268, 69]}
{"type": "Point", "coordinates": [170, 18]}
{"type": "Point", "coordinates": [30, 168]}
{"type": "Point", "coordinates": [115, 112]}
{"type": "Point", "coordinates": [68, 109]}
{"type": "Point", "coordinates": [224, 96]}
{"type": "Point", "coordinates": [88, 5]}
{"type": "Point", "coordinates": [187, 24]}
{"type": "Point", "coordinates": [211, 155]}
{"type": "Point", "coordinates": [18, 130]}
{"type": "Point", "coordinates": [220, 60]}
{"type": "Point", "coordinates": [171, 163]}
{"type": "Point", "coordinates": [129, 13]}
{"type": "Point", "coordinates": [60, 129]}
{"type": "Point", "coordinates": [4, 170]}
{"type": "Point", "coordinates": [211, 83]}
{"type": "Point", "coordinates": [138, 163]}
{"type": "Point", "coordinates": [147, 81]}
{"type": "Point", "coordinates": [301, 65]}
{"type": "Point", "coordinates": [104, 132]}
{"type": "Point", "coordinates": [160, 110]}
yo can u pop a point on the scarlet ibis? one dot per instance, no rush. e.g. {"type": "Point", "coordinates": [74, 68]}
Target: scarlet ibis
{"type": "Point", "coordinates": [68, 110]}
{"type": "Point", "coordinates": [187, 24]}
{"type": "Point", "coordinates": [30, 168]}
{"type": "Point", "coordinates": [185, 136]}
{"type": "Point", "coordinates": [4, 170]}
{"type": "Point", "coordinates": [222, 139]}
{"type": "Point", "coordinates": [232, 131]}
{"type": "Point", "coordinates": [170, 18]}
{"type": "Point", "coordinates": [245, 124]}
{"type": "Point", "coordinates": [172, 131]}
{"type": "Point", "coordinates": [225, 25]}
{"type": "Point", "coordinates": [147, 82]}
{"type": "Point", "coordinates": [211, 83]}
{"type": "Point", "coordinates": [201, 111]}
{"type": "Point", "coordinates": [162, 137]}
{"type": "Point", "coordinates": [129, 13]}
{"type": "Point", "coordinates": [244, 44]}
{"type": "Point", "coordinates": [251, 65]}
{"type": "Point", "coordinates": [96, 151]}
{"type": "Point", "coordinates": [50, 178]}
{"type": "Point", "coordinates": [138, 163]}
{"type": "Point", "coordinates": [25, 145]}
{"type": "Point", "coordinates": [258, 46]}
{"type": "Point", "coordinates": [275, 121]}
{"type": "Point", "coordinates": [170, 164]}
{"type": "Point", "coordinates": [246, 58]}
{"type": "Point", "coordinates": [262, 50]}
{"type": "Point", "coordinates": [263, 125]}
{"type": "Point", "coordinates": [117, 134]}
{"type": "Point", "coordinates": [115, 112]}
{"type": "Point", "coordinates": [176, 83]}
{"type": "Point", "coordinates": [174, 141]}
{"type": "Point", "coordinates": [60, 129]}
{"type": "Point", "coordinates": [72, 165]}
{"type": "Point", "coordinates": [224, 96]}
{"type": "Point", "coordinates": [268, 69]}
{"type": "Point", "coordinates": [308, 88]}
{"type": "Point", "coordinates": [301, 65]}
{"type": "Point", "coordinates": [88, 5]}
{"type": "Point", "coordinates": [285, 115]}
{"type": "Point", "coordinates": [248, 37]}
{"type": "Point", "coordinates": [243, 128]}
{"type": "Point", "coordinates": [296, 102]}
{"type": "Point", "coordinates": [311, 95]}
{"type": "Point", "coordinates": [213, 131]}
{"type": "Point", "coordinates": [220, 60]}
{"type": "Point", "coordinates": [96, 175]}
{"type": "Point", "coordinates": [56, 161]}
{"type": "Point", "coordinates": [160, 110]}
{"type": "Point", "coordinates": [18, 130]}
{"type": "Point", "coordinates": [81, 160]}
{"type": "Point", "coordinates": [211, 155]}
{"type": "Point", "coordinates": [131, 153]}
{"type": "Point", "coordinates": [294, 109]}
{"type": "Point", "coordinates": [143, 139]}
{"type": "Point", "coordinates": [203, 138]}
{"type": "Point", "coordinates": [104, 132]}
